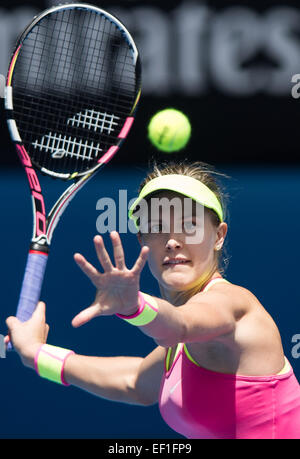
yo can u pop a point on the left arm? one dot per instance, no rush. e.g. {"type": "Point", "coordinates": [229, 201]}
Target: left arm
{"type": "Point", "coordinates": [202, 318]}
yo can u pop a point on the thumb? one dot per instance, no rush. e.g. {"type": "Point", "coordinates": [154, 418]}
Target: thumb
{"type": "Point", "coordinates": [86, 315]}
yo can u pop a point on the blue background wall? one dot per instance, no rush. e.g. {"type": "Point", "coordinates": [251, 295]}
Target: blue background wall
{"type": "Point", "coordinates": [264, 228]}
{"type": "Point", "coordinates": [229, 67]}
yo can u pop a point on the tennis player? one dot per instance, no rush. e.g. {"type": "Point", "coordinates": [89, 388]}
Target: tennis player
{"type": "Point", "coordinates": [219, 370]}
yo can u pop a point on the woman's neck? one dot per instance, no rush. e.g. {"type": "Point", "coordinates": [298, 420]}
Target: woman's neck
{"type": "Point", "coordinates": [178, 298]}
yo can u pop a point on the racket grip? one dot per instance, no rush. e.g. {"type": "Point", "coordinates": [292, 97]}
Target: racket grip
{"type": "Point", "coordinates": [31, 286]}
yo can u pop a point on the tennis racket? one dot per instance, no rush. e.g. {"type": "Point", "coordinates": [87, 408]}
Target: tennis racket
{"type": "Point", "coordinates": [72, 89]}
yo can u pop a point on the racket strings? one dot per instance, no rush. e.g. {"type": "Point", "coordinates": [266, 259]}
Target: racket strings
{"type": "Point", "coordinates": [75, 83]}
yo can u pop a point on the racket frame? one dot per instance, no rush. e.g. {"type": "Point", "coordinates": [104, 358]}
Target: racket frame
{"type": "Point", "coordinates": [43, 225]}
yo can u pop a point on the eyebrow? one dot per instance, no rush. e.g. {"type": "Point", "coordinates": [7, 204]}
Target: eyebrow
{"type": "Point", "coordinates": [150, 220]}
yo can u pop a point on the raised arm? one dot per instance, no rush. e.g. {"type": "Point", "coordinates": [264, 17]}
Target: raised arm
{"type": "Point", "coordinates": [204, 317]}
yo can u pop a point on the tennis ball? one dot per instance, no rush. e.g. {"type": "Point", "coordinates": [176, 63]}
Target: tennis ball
{"type": "Point", "coordinates": [169, 130]}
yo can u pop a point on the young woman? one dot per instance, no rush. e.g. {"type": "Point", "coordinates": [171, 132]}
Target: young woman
{"type": "Point", "coordinates": [218, 370]}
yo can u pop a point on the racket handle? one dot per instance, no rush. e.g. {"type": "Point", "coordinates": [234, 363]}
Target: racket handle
{"type": "Point", "coordinates": [31, 286]}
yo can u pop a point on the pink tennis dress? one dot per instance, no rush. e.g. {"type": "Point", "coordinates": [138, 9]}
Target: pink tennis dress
{"type": "Point", "coordinates": [200, 403]}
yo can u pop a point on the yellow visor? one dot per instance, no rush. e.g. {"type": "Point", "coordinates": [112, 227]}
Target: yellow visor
{"type": "Point", "coordinates": [185, 185]}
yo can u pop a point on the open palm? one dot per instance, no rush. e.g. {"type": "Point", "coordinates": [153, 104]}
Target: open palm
{"type": "Point", "coordinates": [117, 287]}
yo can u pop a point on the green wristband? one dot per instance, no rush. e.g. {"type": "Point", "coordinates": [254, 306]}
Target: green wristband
{"type": "Point", "coordinates": [49, 363]}
{"type": "Point", "coordinates": [146, 313]}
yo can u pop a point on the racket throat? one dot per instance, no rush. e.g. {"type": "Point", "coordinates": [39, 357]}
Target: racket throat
{"type": "Point", "coordinates": [39, 247]}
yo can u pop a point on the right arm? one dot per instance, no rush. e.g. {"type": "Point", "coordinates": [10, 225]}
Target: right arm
{"type": "Point", "coordinates": [133, 380]}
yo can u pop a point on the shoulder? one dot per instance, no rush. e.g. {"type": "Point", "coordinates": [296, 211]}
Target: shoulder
{"type": "Point", "coordinates": [238, 299]}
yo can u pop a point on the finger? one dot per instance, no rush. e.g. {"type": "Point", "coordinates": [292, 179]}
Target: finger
{"type": "Point", "coordinates": [6, 339]}
{"type": "Point", "coordinates": [89, 270]}
{"type": "Point", "coordinates": [85, 316]}
{"type": "Point", "coordinates": [11, 322]}
{"type": "Point", "coordinates": [141, 261]}
{"type": "Point", "coordinates": [118, 250]}
{"type": "Point", "coordinates": [102, 254]}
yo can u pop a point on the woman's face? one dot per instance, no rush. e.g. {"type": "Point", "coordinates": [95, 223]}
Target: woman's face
{"type": "Point", "coordinates": [178, 258]}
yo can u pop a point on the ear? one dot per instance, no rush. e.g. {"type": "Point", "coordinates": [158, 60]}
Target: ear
{"type": "Point", "coordinates": [220, 236]}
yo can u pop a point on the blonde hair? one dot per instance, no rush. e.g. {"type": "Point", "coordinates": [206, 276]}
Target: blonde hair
{"type": "Point", "coordinates": [206, 174]}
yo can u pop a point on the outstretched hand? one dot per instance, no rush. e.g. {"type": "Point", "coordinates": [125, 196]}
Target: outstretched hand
{"type": "Point", "coordinates": [117, 287]}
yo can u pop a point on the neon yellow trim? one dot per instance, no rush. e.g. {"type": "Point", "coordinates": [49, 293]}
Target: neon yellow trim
{"type": "Point", "coordinates": [73, 175]}
{"type": "Point", "coordinates": [177, 350]}
{"type": "Point", "coordinates": [168, 358]}
{"type": "Point", "coordinates": [189, 355]}
{"type": "Point", "coordinates": [136, 101]}
{"type": "Point", "coordinates": [13, 66]}
{"type": "Point", "coordinates": [169, 355]}
{"type": "Point", "coordinates": [187, 186]}
{"type": "Point", "coordinates": [286, 367]}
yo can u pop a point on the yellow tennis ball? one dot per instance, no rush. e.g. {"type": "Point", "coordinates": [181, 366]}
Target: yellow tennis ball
{"type": "Point", "coordinates": [169, 130]}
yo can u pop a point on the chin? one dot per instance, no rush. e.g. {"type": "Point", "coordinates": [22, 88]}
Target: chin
{"type": "Point", "coordinates": [177, 282]}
